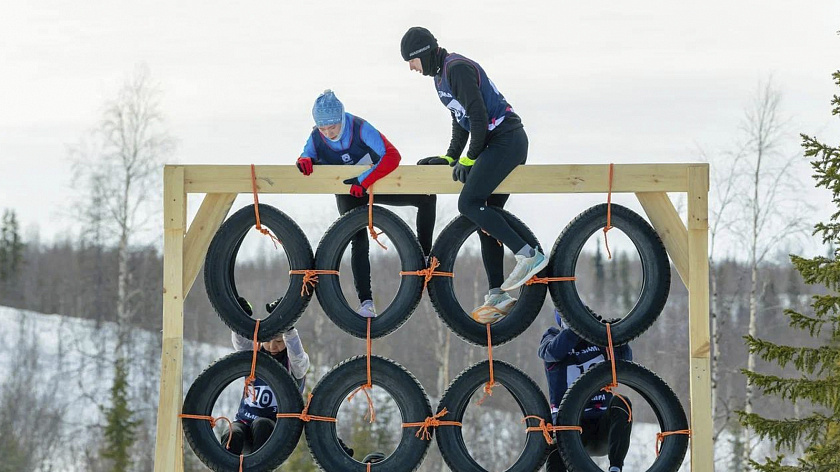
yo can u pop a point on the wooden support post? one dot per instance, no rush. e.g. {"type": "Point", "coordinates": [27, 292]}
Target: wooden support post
{"type": "Point", "coordinates": [702, 447]}
{"type": "Point", "coordinates": [169, 449]}
{"type": "Point", "coordinates": [214, 208]}
{"type": "Point", "coordinates": [670, 228]}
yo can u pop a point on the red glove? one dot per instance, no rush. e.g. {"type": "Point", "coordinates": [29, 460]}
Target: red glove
{"type": "Point", "coordinates": [356, 188]}
{"type": "Point", "coordinates": [304, 165]}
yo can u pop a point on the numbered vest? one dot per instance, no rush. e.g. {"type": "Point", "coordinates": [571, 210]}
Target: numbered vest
{"type": "Point", "coordinates": [494, 101]}
{"type": "Point", "coordinates": [356, 153]}
{"type": "Point", "coordinates": [263, 404]}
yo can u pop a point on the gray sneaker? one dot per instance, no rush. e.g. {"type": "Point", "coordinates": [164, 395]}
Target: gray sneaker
{"type": "Point", "coordinates": [367, 310]}
{"type": "Point", "coordinates": [496, 306]}
{"type": "Point", "coordinates": [526, 267]}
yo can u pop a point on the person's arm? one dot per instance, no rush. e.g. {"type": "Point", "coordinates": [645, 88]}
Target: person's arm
{"type": "Point", "coordinates": [298, 358]}
{"type": "Point", "coordinates": [556, 344]}
{"type": "Point", "coordinates": [464, 81]}
{"type": "Point", "coordinates": [459, 140]}
{"type": "Point", "coordinates": [241, 343]}
{"type": "Point", "coordinates": [308, 157]}
{"type": "Point", "coordinates": [389, 160]}
{"type": "Point", "coordinates": [624, 353]}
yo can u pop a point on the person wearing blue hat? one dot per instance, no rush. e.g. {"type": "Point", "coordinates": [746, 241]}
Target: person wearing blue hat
{"type": "Point", "coordinates": [498, 144]}
{"type": "Point", "coordinates": [606, 420]}
{"type": "Point", "coordinates": [339, 138]}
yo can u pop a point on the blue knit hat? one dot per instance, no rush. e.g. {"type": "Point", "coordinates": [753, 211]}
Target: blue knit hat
{"type": "Point", "coordinates": [328, 109]}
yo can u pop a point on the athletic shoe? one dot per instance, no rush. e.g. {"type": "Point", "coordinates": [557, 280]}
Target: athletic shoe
{"type": "Point", "coordinates": [526, 267]}
{"type": "Point", "coordinates": [367, 310]}
{"type": "Point", "coordinates": [496, 306]}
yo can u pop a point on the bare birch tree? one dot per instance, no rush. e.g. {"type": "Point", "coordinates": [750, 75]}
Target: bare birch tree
{"type": "Point", "coordinates": [771, 214]}
{"type": "Point", "coordinates": [124, 165]}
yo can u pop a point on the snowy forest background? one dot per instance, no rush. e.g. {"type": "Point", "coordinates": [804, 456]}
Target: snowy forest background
{"type": "Point", "coordinates": [105, 283]}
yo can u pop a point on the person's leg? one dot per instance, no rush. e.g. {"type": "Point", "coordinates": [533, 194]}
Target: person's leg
{"type": "Point", "coordinates": [492, 251]}
{"type": "Point", "coordinates": [237, 442]}
{"type": "Point", "coordinates": [261, 429]}
{"type": "Point", "coordinates": [359, 249]}
{"type": "Point", "coordinates": [619, 432]}
{"type": "Point", "coordinates": [426, 213]}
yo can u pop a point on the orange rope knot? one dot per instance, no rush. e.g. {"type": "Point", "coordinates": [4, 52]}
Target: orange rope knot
{"type": "Point", "coordinates": [249, 381]}
{"type": "Point", "coordinates": [548, 428]}
{"type": "Point", "coordinates": [546, 280]}
{"type": "Point", "coordinates": [428, 272]}
{"type": "Point", "coordinates": [305, 416]}
{"type": "Point", "coordinates": [259, 227]}
{"type": "Point", "coordinates": [609, 212]}
{"type": "Point", "coordinates": [369, 385]}
{"type": "Point", "coordinates": [373, 233]}
{"type": "Point", "coordinates": [488, 387]}
{"type": "Point", "coordinates": [212, 423]}
{"type": "Point", "coordinates": [430, 422]}
{"type": "Point", "coordinates": [660, 437]}
{"type": "Point", "coordinates": [610, 388]}
{"type": "Point", "coordinates": [310, 278]}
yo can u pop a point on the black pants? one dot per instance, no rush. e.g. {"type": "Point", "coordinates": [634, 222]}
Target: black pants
{"type": "Point", "coordinates": [607, 435]}
{"type": "Point", "coordinates": [502, 154]}
{"type": "Point", "coordinates": [247, 438]}
{"type": "Point", "coordinates": [360, 246]}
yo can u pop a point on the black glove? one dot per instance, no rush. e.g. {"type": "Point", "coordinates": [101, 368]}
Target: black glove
{"type": "Point", "coordinates": [348, 450]}
{"type": "Point", "coordinates": [435, 161]}
{"type": "Point", "coordinates": [245, 306]}
{"type": "Point", "coordinates": [462, 169]}
{"type": "Point", "coordinates": [269, 307]}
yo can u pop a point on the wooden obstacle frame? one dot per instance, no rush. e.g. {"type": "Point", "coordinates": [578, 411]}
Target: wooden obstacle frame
{"type": "Point", "coordinates": [185, 248]}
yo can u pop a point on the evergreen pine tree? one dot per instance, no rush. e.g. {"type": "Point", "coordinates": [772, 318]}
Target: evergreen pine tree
{"type": "Point", "coordinates": [120, 428]}
{"type": "Point", "coordinates": [819, 382]}
{"type": "Point", "coordinates": [11, 246]}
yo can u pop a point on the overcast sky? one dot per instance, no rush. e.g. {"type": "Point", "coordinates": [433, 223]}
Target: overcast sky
{"type": "Point", "coordinates": [594, 82]}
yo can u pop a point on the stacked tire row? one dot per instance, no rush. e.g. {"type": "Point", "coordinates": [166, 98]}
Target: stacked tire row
{"type": "Point", "coordinates": [406, 391]}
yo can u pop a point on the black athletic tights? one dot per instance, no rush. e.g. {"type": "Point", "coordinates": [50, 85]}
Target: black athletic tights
{"type": "Point", "coordinates": [247, 438]}
{"type": "Point", "coordinates": [360, 246]}
{"type": "Point", "coordinates": [502, 154]}
{"type": "Point", "coordinates": [607, 435]}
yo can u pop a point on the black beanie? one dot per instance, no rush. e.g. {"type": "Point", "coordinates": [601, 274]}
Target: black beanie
{"type": "Point", "coordinates": [417, 42]}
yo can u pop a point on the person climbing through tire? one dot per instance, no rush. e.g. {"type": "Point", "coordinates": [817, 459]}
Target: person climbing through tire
{"type": "Point", "coordinates": [498, 144]}
{"type": "Point", "coordinates": [606, 429]}
{"type": "Point", "coordinates": [256, 416]}
{"type": "Point", "coordinates": [340, 138]}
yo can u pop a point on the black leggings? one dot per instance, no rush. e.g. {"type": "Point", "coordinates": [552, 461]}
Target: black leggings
{"type": "Point", "coordinates": [360, 246]}
{"type": "Point", "coordinates": [247, 438]}
{"type": "Point", "coordinates": [502, 154]}
{"type": "Point", "coordinates": [609, 435]}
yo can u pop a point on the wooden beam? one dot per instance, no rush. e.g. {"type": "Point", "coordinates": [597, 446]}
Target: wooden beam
{"type": "Point", "coordinates": [168, 445]}
{"type": "Point", "coordinates": [409, 179]}
{"type": "Point", "coordinates": [702, 447]}
{"type": "Point", "coordinates": [670, 227]}
{"type": "Point", "coordinates": [214, 208]}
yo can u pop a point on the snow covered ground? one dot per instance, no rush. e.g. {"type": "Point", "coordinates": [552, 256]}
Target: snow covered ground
{"type": "Point", "coordinates": [68, 360]}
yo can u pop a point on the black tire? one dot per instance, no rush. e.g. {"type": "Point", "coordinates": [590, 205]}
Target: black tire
{"type": "Point", "coordinates": [328, 257]}
{"type": "Point", "coordinates": [221, 285]}
{"type": "Point", "coordinates": [206, 389]}
{"type": "Point", "coordinates": [442, 289]}
{"type": "Point", "coordinates": [524, 390]}
{"type": "Point", "coordinates": [332, 391]}
{"type": "Point", "coordinates": [656, 275]}
{"type": "Point", "coordinates": [664, 402]}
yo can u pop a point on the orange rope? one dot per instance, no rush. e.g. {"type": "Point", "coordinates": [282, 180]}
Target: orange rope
{"type": "Point", "coordinates": [212, 424]}
{"type": "Point", "coordinates": [548, 428]}
{"type": "Point", "coordinates": [488, 234]}
{"type": "Point", "coordinates": [609, 212]}
{"type": "Point", "coordinates": [369, 385]}
{"type": "Point", "coordinates": [368, 467]}
{"type": "Point", "coordinates": [488, 387]}
{"type": "Point", "coordinates": [373, 233]}
{"type": "Point", "coordinates": [660, 437]}
{"type": "Point", "coordinates": [546, 280]}
{"type": "Point", "coordinates": [241, 460]}
{"type": "Point", "coordinates": [305, 416]}
{"type": "Point", "coordinates": [259, 227]}
{"type": "Point", "coordinates": [249, 381]}
{"type": "Point", "coordinates": [612, 386]}
{"type": "Point", "coordinates": [428, 272]}
{"type": "Point", "coordinates": [430, 422]}
{"type": "Point", "coordinates": [310, 278]}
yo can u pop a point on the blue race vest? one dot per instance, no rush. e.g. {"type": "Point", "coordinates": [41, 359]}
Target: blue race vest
{"type": "Point", "coordinates": [264, 403]}
{"type": "Point", "coordinates": [356, 153]}
{"type": "Point", "coordinates": [494, 101]}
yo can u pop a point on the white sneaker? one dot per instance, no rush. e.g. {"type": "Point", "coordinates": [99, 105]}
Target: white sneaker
{"type": "Point", "coordinates": [496, 306]}
{"type": "Point", "coordinates": [526, 267]}
{"type": "Point", "coordinates": [367, 310]}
